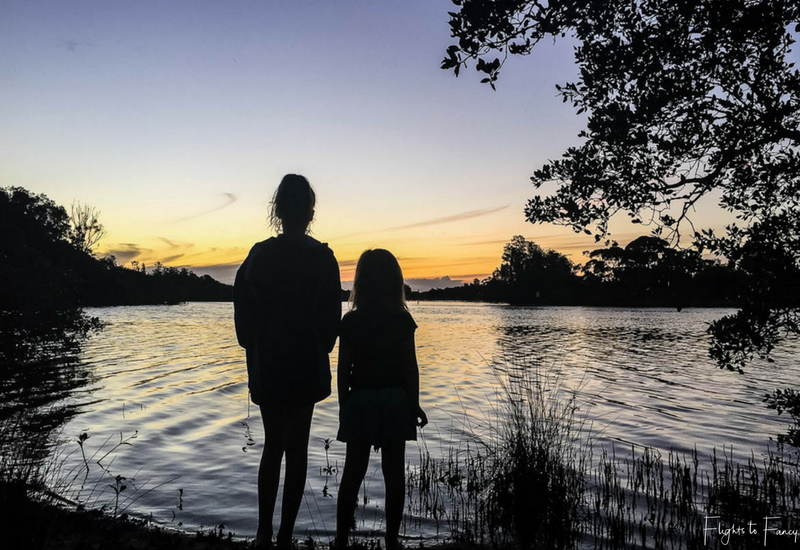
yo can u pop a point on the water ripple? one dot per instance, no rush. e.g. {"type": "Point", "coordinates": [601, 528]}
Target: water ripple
{"type": "Point", "coordinates": [176, 375]}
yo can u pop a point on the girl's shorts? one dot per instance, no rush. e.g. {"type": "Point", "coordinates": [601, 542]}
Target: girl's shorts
{"type": "Point", "coordinates": [378, 416]}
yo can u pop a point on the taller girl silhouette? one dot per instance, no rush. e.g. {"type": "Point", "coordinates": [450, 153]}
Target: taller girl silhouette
{"type": "Point", "coordinates": [287, 304]}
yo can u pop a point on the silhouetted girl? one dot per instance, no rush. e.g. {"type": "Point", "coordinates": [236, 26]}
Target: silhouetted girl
{"type": "Point", "coordinates": [287, 300]}
{"type": "Point", "coordinates": [378, 383]}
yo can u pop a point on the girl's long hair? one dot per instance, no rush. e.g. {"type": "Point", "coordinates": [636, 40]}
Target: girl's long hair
{"type": "Point", "coordinates": [378, 282]}
{"type": "Point", "coordinates": [292, 203]}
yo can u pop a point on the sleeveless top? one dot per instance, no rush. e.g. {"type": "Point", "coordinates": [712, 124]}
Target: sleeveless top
{"type": "Point", "coordinates": [287, 308]}
{"type": "Point", "coordinates": [376, 338]}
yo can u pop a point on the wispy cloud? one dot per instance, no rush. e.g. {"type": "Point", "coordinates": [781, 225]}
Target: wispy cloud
{"type": "Point", "coordinates": [450, 219]}
{"type": "Point", "coordinates": [458, 262]}
{"type": "Point", "coordinates": [172, 258]}
{"type": "Point", "coordinates": [479, 243]}
{"type": "Point", "coordinates": [217, 252]}
{"type": "Point", "coordinates": [74, 45]}
{"type": "Point", "coordinates": [571, 240]}
{"type": "Point", "coordinates": [402, 259]}
{"type": "Point", "coordinates": [125, 252]}
{"type": "Point", "coordinates": [173, 244]}
{"type": "Point", "coordinates": [436, 221]}
{"type": "Point", "coordinates": [230, 198]}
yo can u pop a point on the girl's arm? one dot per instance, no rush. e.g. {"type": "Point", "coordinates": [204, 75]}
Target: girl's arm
{"type": "Point", "coordinates": [344, 372]}
{"type": "Point", "coordinates": [330, 303]}
{"type": "Point", "coordinates": [244, 304]}
{"type": "Point", "coordinates": [411, 377]}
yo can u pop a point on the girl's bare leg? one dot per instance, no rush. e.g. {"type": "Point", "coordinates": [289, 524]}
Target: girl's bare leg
{"type": "Point", "coordinates": [296, 427]}
{"type": "Point", "coordinates": [269, 471]}
{"type": "Point", "coordinates": [355, 468]}
{"type": "Point", "coordinates": [393, 458]}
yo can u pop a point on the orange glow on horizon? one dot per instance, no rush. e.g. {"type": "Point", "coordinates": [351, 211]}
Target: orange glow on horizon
{"type": "Point", "coordinates": [461, 259]}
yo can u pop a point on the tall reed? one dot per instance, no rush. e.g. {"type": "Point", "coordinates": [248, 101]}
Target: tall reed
{"type": "Point", "coordinates": [535, 476]}
{"type": "Point", "coordinates": [519, 479]}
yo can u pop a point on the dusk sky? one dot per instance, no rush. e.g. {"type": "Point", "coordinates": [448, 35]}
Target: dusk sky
{"type": "Point", "coordinates": [177, 120]}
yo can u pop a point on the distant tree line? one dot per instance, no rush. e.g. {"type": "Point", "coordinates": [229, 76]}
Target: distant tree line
{"type": "Point", "coordinates": [647, 272]}
{"type": "Point", "coordinates": [47, 258]}
{"type": "Point", "coordinates": [48, 273]}
{"type": "Point", "coordinates": [108, 284]}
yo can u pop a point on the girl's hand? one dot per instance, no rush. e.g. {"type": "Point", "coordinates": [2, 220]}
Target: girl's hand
{"type": "Point", "coordinates": [422, 418]}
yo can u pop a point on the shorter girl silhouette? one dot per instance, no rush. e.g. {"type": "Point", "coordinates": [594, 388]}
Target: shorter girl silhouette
{"type": "Point", "coordinates": [378, 382]}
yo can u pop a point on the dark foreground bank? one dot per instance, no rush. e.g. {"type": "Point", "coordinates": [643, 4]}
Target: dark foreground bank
{"type": "Point", "coordinates": [29, 524]}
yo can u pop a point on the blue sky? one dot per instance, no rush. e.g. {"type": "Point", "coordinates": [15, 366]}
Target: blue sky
{"type": "Point", "coordinates": [177, 120]}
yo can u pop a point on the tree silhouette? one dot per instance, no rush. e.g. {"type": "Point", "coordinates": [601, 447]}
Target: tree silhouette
{"type": "Point", "coordinates": [605, 264]}
{"type": "Point", "coordinates": [684, 98]}
{"type": "Point", "coordinates": [532, 274]}
{"type": "Point", "coordinates": [86, 230]}
{"type": "Point", "coordinates": [40, 314]}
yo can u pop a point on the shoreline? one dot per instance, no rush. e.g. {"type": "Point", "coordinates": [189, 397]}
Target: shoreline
{"type": "Point", "coordinates": [28, 523]}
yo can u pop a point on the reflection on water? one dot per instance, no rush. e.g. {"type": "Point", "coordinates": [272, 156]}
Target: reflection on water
{"type": "Point", "coordinates": [175, 376]}
{"type": "Point", "coordinates": [36, 399]}
{"type": "Point", "coordinates": [39, 392]}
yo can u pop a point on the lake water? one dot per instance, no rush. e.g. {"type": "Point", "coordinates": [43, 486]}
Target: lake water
{"type": "Point", "coordinates": [174, 377]}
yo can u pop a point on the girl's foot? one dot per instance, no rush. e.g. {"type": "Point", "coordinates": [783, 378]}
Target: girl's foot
{"type": "Point", "coordinates": [283, 543]}
{"type": "Point", "coordinates": [263, 541]}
